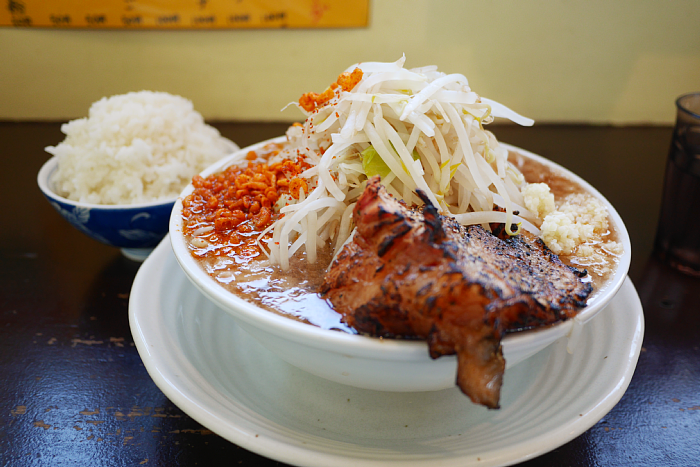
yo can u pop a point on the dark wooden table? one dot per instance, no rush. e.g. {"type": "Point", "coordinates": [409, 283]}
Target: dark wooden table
{"type": "Point", "coordinates": [74, 392]}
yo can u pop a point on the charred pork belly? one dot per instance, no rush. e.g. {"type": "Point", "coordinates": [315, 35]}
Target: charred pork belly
{"type": "Point", "coordinates": [415, 273]}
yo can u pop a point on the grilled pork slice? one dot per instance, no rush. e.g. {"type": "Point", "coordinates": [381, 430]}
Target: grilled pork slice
{"type": "Point", "coordinates": [419, 274]}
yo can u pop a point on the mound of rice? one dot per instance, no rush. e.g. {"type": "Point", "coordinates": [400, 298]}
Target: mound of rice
{"type": "Point", "coordinates": [135, 148]}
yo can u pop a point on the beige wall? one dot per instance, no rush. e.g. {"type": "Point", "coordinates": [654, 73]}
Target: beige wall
{"type": "Point", "coordinates": [601, 61]}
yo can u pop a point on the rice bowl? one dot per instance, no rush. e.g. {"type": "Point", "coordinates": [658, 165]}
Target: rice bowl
{"type": "Point", "coordinates": [116, 175]}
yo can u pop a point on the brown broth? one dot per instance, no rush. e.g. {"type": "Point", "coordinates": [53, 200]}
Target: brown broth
{"type": "Point", "coordinates": [291, 293]}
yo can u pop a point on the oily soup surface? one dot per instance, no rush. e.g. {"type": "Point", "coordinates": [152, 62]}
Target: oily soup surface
{"type": "Point", "coordinates": [244, 270]}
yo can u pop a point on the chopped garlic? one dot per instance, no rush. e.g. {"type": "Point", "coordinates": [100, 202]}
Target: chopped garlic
{"type": "Point", "coordinates": [538, 199]}
{"type": "Point", "coordinates": [581, 218]}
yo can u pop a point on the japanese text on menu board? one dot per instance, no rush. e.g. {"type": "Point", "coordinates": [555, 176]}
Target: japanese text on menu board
{"type": "Point", "coordinates": [185, 14]}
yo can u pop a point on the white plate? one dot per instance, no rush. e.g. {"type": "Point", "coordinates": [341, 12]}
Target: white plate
{"type": "Point", "coordinates": [224, 379]}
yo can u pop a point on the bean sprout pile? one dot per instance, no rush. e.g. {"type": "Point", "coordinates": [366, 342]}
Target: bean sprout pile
{"type": "Point", "coordinates": [418, 129]}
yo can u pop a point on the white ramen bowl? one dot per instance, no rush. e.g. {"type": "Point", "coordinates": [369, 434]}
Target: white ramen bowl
{"type": "Point", "coordinates": [374, 363]}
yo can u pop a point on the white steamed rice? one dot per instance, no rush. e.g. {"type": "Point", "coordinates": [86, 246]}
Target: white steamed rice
{"type": "Point", "coordinates": [135, 148]}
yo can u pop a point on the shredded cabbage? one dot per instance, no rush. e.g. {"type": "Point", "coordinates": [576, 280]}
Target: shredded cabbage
{"type": "Point", "coordinates": [418, 129]}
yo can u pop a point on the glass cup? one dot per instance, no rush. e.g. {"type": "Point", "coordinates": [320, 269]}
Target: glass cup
{"type": "Point", "coordinates": [678, 234]}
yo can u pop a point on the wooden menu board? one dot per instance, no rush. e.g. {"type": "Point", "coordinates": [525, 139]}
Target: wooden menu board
{"type": "Point", "coordinates": [185, 14]}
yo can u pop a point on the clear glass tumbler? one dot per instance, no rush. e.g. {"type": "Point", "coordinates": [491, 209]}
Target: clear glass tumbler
{"type": "Point", "coordinates": [678, 234]}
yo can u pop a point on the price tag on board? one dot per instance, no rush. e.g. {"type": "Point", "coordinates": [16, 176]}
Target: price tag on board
{"type": "Point", "coordinates": [185, 14]}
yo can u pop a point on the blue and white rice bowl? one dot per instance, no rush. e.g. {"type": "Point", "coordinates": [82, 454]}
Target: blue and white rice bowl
{"type": "Point", "coordinates": [135, 228]}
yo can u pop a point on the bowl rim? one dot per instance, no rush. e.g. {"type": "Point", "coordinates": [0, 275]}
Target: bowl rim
{"type": "Point", "coordinates": [45, 185]}
{"type": "Point", "coordinates": [368, 346]}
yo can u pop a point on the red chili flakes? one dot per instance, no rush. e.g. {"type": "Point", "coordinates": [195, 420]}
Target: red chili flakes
{"type": "Point", "coordinates": [295, 185]}
{"type": "Point", "coordinates": [239, 202]}
{"type": "Point", "coordinates": [346, 81]}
